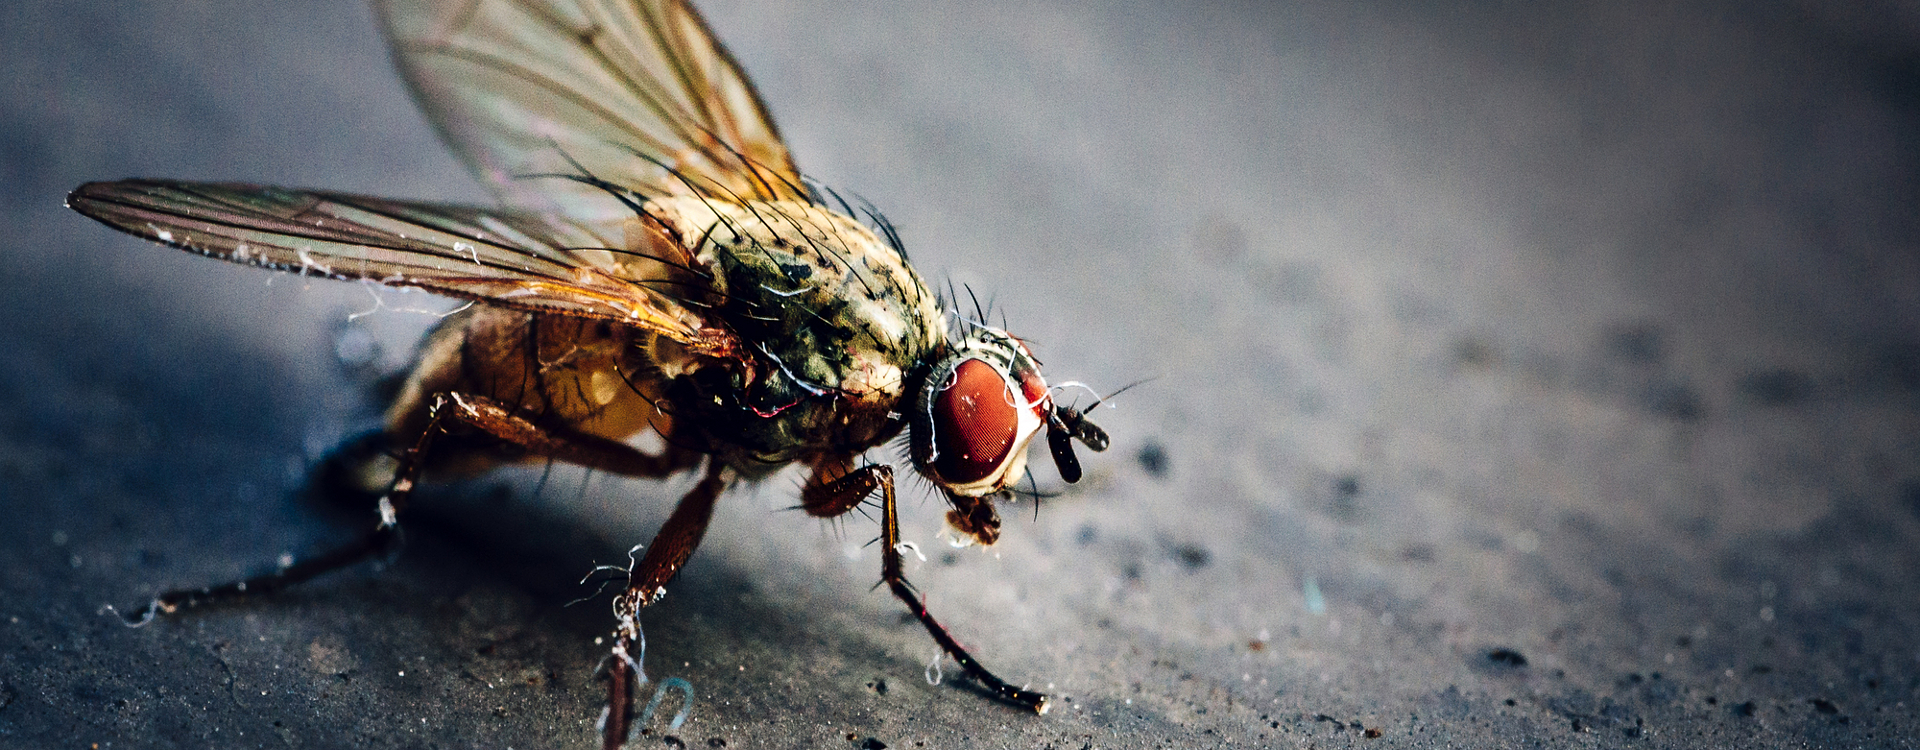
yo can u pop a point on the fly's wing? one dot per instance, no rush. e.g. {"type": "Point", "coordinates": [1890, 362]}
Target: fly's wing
{"type": "Point", "coordinates": [523, 261]}
{"type": "Point", "coordinates": [635, 93]}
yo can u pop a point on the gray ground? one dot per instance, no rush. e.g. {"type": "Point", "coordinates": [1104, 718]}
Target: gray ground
{"type": "Point", "coordinates": [1526, 377]}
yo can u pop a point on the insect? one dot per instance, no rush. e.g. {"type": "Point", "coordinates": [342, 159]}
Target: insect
{"type": "Point", "coordinates": [659, 265]}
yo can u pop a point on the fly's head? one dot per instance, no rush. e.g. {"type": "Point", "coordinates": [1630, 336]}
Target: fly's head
{"type": "Point", "coordinates": [977, 411]}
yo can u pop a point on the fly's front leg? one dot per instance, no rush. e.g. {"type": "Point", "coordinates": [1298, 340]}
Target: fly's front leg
{"type": "Point", "coordinates": [646, 583]}
{"type": "Point", "coordinates": [836, 488]}
{"type": "Point", "coordinates": [847, 492]}
{"type": "Point", "coordinates": [480, 413]}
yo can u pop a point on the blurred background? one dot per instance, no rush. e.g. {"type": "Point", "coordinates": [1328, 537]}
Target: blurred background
{"type": "Point", "coordinates": [1521, 374]}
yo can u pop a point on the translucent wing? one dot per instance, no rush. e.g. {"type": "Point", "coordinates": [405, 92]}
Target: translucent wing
{"type": "Point", "coordinates": [530, 262]}
{"type": "Point", "coordinates": [637, 93]}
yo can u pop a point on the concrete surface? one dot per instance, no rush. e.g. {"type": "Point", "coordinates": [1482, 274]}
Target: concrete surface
{"type": "Point", "coordinates": [1527, 376]}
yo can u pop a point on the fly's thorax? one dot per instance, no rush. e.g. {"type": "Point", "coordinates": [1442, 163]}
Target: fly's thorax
{"type": "Point", "coordinates": [833, 318]}
{"type": "Point", "coordinates": [980, 407]}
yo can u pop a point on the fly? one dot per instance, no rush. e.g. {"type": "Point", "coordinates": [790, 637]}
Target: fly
{"type": "Point", "coordinates": [658, 264]}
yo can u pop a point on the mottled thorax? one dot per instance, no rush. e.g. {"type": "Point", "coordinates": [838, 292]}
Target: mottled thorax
{"type": "Point", "coordinates": [837, 319]}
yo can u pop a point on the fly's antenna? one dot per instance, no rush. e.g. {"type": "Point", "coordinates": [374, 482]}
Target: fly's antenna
{"type": "Point", "coordinates": [1066, 424]}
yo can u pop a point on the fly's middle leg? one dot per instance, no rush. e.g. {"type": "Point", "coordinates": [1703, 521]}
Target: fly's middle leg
{"type": "Point", "coordinates": [646, 583]}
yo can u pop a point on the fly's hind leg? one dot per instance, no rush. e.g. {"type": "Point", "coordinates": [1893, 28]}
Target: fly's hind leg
{"type": "Point", "coordinates": [822, 497]}
{"type": "Point", "coordinates": [448, 408]}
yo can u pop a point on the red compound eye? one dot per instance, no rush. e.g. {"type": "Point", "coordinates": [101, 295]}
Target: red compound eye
{"type": "Point", "coordinates": [973, 424]}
